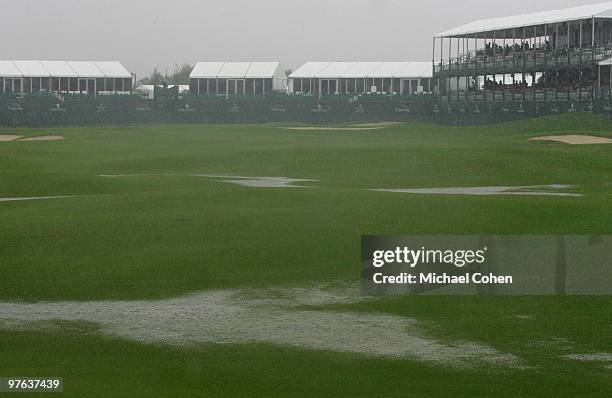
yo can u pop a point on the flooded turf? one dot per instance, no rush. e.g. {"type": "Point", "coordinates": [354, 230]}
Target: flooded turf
{"type": "Point", "coordinates": [260, 182]}
{"type": "Point", "coordinates": [17, 199]}
{"type": "Point", "coordinates": [526, 190]}
{"type": "Point", "coordinates": [254, 182]}
{"type": "Point", "coordinates": [275, 316]}
{"type": "Point", "coordinates": [595, 357]}
{"type": "Point", "coordinates": [376, 124]}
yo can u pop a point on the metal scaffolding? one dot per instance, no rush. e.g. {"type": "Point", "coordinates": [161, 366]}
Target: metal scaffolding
{"type": "Point", "coordinates": [558, 60]}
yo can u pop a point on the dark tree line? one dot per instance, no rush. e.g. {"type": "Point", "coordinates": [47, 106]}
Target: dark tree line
{"type": "Point", "coordinates": [180, 75]}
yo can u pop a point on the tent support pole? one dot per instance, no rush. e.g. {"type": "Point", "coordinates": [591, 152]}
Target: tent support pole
{"type": "Point", "coordinates": [441, 64]}
{"type": "Point", "coordinates": [545, 63]}
{"type": "Point", "coordinates": [458, 74]}
{"type": "Point", "coordinates": [450, 47]}
{"type": "Point", "coordinates": [524, 81]}
{"type": "Point", "coordinates": [535, 63]}
{"type": "Point", "coordinates": [580, 69]}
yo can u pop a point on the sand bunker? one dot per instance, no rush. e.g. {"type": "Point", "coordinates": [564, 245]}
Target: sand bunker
{"type": "Point", "coordinates": [538, 190]}
{"type": "Point", "coordinates": [332, 128]}
{"type": "Point", "coordinates": [574, 139]}
{"type": "Point", "coordinates": [31, 198]}
{"type": "Point", "coordinates": [255, 182]}
{"type": "Point", "coordinates": [44, 138]}
{"type": "Point", "coordinates": [40, 138]}
{"type": "Point", "coordinates": [272, 316]}
{"type": "Point", "coordinates": [9, 137]}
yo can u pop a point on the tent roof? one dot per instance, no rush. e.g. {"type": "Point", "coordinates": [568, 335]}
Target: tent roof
{"type": "Point", "coordinates": [263, 69]}
{"type": "Point", "coordinates": [334, 70]}
{"type": "Point", "coordinates": [87, 69]}
{"type": "Point", "coordinates": [309, 69]}
{"type": "Point", "coordinates": [235, 70]}
{"type": "Point", "coordinates": [206, 70]}
{"type": "Point", "coordinates": [416, 69]}
{"type": "Point", "coordinates": [31, 68]}
{"type": "Point", "coordinates": [113, 69]}
{"type": "Point", "coordinates": [8, 69]}
{"type": "Point", "coordinates": [361, 69]}
{"type": "Point", "coordinates": [601, 10]}
{"type": "Point", "coordinates": [58, 68]}
{"type": "Point", "coordinates": [391, 69]}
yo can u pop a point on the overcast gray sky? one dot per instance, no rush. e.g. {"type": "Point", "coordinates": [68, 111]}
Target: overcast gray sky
{"type": "Point", "coordinates": [144, 34]}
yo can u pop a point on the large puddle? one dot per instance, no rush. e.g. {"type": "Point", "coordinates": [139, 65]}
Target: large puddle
{"type": "Point", "coordinates": [254, 182]}
{"type": "Point", "coordinates": [18, 199]}
{"type": "Point", "coordinates": [526, 190]}
{"type": "Point", "coordinates": [259, 182]}
{"type": "Point", "coordinates": [274, 316]}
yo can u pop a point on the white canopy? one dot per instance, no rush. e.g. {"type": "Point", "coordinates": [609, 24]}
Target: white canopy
{"type": "Point", "coordinates": [113, 69]}
{"type": "Point", "coordinates": [601, 10]}
{"type": "Point", "coordinates": [31, 68]}
{"type": "Point", "coordinates": [8, 69]}
{"type": "Point", "coordinates": [236, 70]}
{"type": "Point", "coordinates": [58, 68]}
{"type": "Point", "coordinates": [356, 70]}
{"type": "Point", "coordinates": [264, 70]}
{"type": "Point", "coordinates": [333, 70]}
{"type": "Point", "coordinates": [309, 69]}
{"type": "Point", "coordinates": [84, 69]}
{"type": "Point", "coordinates": [361, 69]}
{"type": "Point", "coordinates": [88, 69]}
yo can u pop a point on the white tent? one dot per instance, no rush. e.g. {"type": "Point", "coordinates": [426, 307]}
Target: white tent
{"type": "Point", "coordinates": [326, 70]}
{"type": "Point", "coordinates": [64, 76]}
{"type": "Point", "coordinates": [230, 78]}
{"type": "Point", "coordinates": [362, 77]}
{"type": "Point", "coordinates": [243, 70]}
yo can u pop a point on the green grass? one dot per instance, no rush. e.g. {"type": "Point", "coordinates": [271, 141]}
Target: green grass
{"type": "Point", "coordinates": [161, 236]}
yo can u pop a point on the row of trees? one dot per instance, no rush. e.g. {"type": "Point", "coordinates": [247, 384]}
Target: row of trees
{"type": "Point", "coordinates": [180, 75]}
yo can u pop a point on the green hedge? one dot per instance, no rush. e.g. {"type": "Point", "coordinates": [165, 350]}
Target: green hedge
{"type": "Point", "coordinates": [46, 110]}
